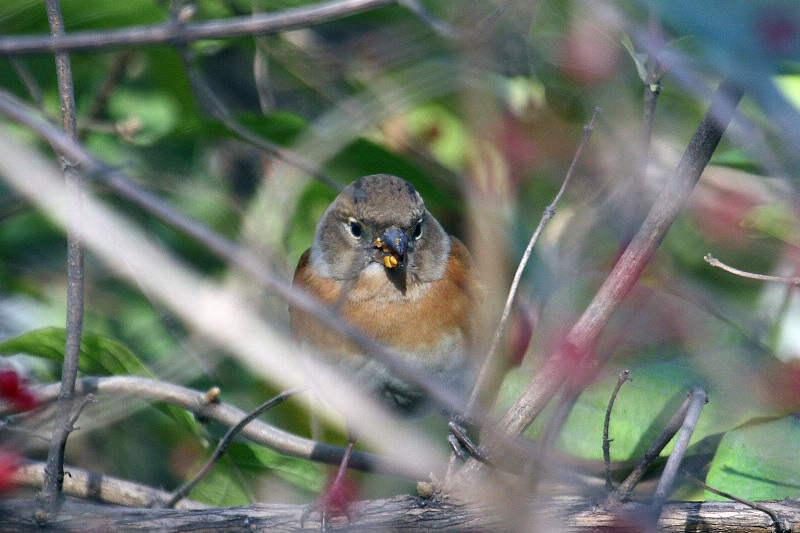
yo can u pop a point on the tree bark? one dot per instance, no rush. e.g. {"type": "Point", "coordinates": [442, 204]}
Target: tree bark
{"type": "Point", "coordinates": [404, 513]}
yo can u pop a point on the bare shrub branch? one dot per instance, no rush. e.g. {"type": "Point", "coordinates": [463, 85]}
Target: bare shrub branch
{"type": "Point", "coordinates": [168, 33]}
{"type": "Point", "coordinates": [257, 431]}
{"type": "Point", "coordinates": [714, 262]}
{"type": "Point", "coordinates": [623, 377]}
{"type": "Point", "coordinates": [54, 470]}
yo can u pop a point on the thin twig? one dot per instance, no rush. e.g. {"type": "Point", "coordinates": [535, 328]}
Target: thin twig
{"type": "Point", "coordinates": [623, 377]}
{"type": "Point", "coordinates": [776, 521]}
{"type": "Point", "coordinates": [34, 90]}
{"type": "Point", "coordinates": [538, 460]}
{"type": "Point", "coordinates": [168, 33]}
{"type": "Point", "coordinates": [489, 366]}
{"type": "Point", "coordinates": [652, 90]}
{"type": "Point", "coordinates": [650, 455]}
{"type": "Point", "coordinates": [54, 472]}
{"type": "Point", "coordinates": [116, 72]}
{"type": "Point", "coordinates": [214, 106]}
{"type": "Point", "coordinates": [698, 399]}
{"type": "Point", "coordinates": [86, 401]}
{"type": "Point", "coordinates": [714, 262]}
{"type": "Point", "coordinates": [223, 444]}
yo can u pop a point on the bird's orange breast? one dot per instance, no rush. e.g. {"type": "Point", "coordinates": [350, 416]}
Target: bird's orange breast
{"type": "Point", "coordinates": [431, 324]}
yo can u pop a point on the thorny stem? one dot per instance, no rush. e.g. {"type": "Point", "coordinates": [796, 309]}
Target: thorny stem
{"type": "Point", "coordinates": [50, 495]}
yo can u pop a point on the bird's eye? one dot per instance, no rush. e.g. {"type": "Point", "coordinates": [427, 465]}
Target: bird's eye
{"type": "Point", "coordinates": [355, 228]}
{"type": "Point", "coordinates": [417, 231]}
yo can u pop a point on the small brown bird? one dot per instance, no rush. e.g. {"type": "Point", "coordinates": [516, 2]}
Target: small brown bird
{"type": "Point", "coordinates": [387, 266]}
{"type": "Point", "coordinates": [384, 262]}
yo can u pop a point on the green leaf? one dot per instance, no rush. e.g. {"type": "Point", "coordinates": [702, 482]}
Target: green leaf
{"type": "Point", "coordinates": [777, 220]}
{"type": "Point", "coordinates": [260, 460]}
{"type": "Point", "coordinates": [738, 159]}
{"type": "Point", "coordinates": [642, 409]}
{"type": "Point", "coordinates": [445, 135]}
{"type": "Point", "coordinates": [223, 486]}
{"type": "Point", "coordinates": [640, 60]}
{"type": "Point", "coordinates": [100, 356]}
{"type": "Point", "coordinates": [758, 461]}
{"type": "Point", "coordinates": [227, 483]}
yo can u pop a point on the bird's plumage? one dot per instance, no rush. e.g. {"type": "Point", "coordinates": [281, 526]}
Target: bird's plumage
{"type": "Point", "coordinates": [387, 266]}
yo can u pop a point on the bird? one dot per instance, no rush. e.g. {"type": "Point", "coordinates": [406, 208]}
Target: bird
{"type": "Point", "coordinates": [384, 263]}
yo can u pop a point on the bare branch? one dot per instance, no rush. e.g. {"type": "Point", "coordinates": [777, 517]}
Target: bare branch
{"type": "Point", "coordinates": [169, 33]}
{"type": "Point", "coordinates": [257, 431]}
{"type": "Point", "coordinates": [449, 31]}
{"type": "Point", "coordinates": [34, 90]}
{"type": "Point", "coordinates": [698, 399]}
{"type": "Point", "coordinates": [652, 89]}
{"type": "Point", "coordinates": [623, 377]}
{"type": "Point", "coordinates": [403, 513]}
{"type": "Point", "coordinates": [54, 470]}
{"type": "Point", "coordinates": [222, 447]}
{"type": "Point", "coordinates": [214, 106]}
{"type": "Point", "coordinates": [714, 262]}
{"type": "Point", "coordinates": [113, 77]}
{"type": "Point", "coordinates": [86, 401]}
{"type": "Point", "coordinates": [92, 486]}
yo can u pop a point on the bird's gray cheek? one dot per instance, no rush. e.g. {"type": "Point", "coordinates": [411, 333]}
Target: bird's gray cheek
{"type": "Point", "coordinates": [353, 260]}
{"type": "Point", "coordinates": [416, 260]}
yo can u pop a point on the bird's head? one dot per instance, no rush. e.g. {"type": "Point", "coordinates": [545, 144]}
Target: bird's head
{"type": "Point", "coordinates": [380, 220]}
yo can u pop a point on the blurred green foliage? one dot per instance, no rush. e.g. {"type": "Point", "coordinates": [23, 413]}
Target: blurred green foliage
{"type": "Point", "coordinates": [492, 136]}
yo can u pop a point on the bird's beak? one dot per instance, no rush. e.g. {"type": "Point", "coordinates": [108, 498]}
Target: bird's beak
{"type": "Point", "coordinates": [393, 245]}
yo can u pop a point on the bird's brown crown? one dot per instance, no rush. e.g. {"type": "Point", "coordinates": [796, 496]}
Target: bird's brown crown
{"type": "Point", "coordinates": [382, 200]}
